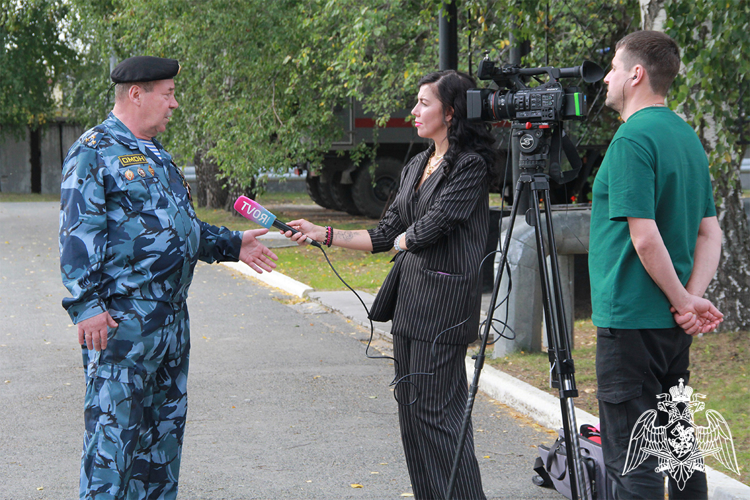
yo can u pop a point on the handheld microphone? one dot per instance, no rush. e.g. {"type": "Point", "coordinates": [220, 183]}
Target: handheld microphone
{"type": "Point", "coordinates": [254, 211]}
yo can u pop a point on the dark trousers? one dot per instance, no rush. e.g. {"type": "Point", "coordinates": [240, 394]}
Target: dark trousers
{"type": "Point", "coordinates": [430, 411]}
{"type": "Point", "coordinates": [632, 368]}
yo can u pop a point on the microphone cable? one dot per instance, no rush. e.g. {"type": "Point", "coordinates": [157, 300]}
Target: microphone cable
{"type": "Point", "coordinates": [397, 380]}
{"type": "Point", "coordinates": [405, 379]}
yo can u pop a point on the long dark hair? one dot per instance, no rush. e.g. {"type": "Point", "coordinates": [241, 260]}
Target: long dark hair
{"type": "Point", "coordinates": [463, 135]}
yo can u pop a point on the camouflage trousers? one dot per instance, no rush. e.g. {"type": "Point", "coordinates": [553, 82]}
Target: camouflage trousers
{"type": "Point", "coordinates": [136, 403]}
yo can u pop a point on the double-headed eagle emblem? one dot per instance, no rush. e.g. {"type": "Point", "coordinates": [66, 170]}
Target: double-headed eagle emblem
{"type": "Point", "coordinates": [680, 445]}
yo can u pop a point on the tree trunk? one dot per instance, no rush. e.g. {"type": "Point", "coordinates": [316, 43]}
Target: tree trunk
{"type": "Point", "coordinates": [234, 191]}
{"type": "Point", "coordinates": [214, 189]}
{"type": "Point", "coordinates": [730, 288]}
{"type": "Point", "coordinates": [653, 15]}
{"type": "Point", "coordinates": [211, 192]}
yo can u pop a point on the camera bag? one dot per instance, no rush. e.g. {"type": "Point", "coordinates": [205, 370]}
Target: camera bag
{"type": "Point", "coordinates": [552, 465]}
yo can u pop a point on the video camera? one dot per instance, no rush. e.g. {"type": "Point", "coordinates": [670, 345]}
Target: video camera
{"type": "Point", "coordinates": [549, 102]}
{"type": "Point", "coordinates": [537, 136]}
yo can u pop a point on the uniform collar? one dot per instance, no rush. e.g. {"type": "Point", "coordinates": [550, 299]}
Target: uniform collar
{"type": "Point", "coordinates": [124, 136]}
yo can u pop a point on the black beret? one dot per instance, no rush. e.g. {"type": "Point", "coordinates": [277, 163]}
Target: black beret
{"type": "Point", "coordinates": [145, 69]}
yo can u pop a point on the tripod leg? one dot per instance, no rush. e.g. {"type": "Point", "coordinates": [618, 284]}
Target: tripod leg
{"type": "Point", "coordinates": [557, 335]}
{"type": "Point", "coordinates": [480, 356]}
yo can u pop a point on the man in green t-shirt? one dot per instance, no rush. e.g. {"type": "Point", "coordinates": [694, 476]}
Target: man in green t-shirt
{"type": "Point", "coordinates": [655, 246]}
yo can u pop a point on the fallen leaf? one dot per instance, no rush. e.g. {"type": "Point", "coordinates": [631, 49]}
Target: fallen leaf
{"type": "Point", "coordinates": [355, 485]}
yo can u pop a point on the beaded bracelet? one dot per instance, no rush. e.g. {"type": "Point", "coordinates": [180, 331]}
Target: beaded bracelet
{"type": "Point", "coordinates": [329, 236]}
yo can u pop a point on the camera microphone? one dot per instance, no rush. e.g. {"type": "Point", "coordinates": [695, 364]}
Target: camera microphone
{"type": "Point", "coordinates": [255, 212]}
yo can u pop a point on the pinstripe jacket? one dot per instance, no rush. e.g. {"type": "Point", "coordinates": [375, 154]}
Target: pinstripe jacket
{"type": "Point", "coordinates": [433, 286]}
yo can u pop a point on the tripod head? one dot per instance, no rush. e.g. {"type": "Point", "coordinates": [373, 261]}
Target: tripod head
{"type": "Point", "coordinates": [538, 148]}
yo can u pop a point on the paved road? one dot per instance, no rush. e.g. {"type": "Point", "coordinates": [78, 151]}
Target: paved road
{"type": "Point", "coordinates": [283, 401]}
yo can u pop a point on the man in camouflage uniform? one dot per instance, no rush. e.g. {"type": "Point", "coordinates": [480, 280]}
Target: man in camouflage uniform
{"type": "Point", "coordinates": [129, 241]}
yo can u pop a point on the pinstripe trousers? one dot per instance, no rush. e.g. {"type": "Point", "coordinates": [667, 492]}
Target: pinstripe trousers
{"type": "Point", "coordinates": [430, 425]}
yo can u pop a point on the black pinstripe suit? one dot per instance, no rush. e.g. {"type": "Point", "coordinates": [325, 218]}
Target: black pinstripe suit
{"type": "Point", "coordinates": [432, 287]}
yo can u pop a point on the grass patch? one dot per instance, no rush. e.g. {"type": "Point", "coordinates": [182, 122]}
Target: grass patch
{"type": "Point", "coordinates": [718, 368]}
{"type": "Point", "coordinates": [285, 198]}
{"type": "Point", "coordinates": [16, 197]}
{"type": "Point", "coordinates": [362, 270]}
{"type": "Point", "coordinates": [266, 199]}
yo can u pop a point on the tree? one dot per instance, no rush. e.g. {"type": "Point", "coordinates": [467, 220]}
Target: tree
{"type": "Point", "coordinates": [34, 56]}
{"type": "Point", "coordinates": [261, 80]}
{"type": "Point", "coordinates": [713, 38]}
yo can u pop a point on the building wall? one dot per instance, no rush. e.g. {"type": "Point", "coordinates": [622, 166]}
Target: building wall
{"type": "Point", "coordinates": [15, 164]}
{"type": "Point", "coordinates": [15, 158]}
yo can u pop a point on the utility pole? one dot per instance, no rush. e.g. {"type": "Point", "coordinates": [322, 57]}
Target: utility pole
{"type": "Point", "coordinates": [448, 35]}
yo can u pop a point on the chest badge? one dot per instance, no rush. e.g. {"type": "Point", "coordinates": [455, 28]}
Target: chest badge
{"type": "Point", "coordinates": [151, 170]}
{"type": "Point", "coordinates": [141, 172]}
{"type": "Point", "coordinates": [129, 175]}
{"type": "Point", "coordinates": [128, 160]}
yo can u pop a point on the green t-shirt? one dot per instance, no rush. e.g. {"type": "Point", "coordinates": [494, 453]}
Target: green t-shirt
{"type": "Point", "coordinates": [655, 168]}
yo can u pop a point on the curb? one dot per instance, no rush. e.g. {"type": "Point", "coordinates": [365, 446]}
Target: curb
{"type": "Point", "coordinates": [273, 279]}
{"type": "Point", "coordinates": [542, 407]}
{"type": "Point", "coordinates": [525, 398]}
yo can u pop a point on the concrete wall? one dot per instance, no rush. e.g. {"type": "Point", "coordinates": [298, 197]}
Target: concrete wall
{"type": "Point", "coordinates": [15, 158]}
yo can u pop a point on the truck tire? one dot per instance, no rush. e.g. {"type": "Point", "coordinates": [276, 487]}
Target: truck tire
{"type": "Point", "coordinates": [324, 191]}
{"type": "Point", "coordinates": [313, 189]}
{"type": "Point", "coordinates": [370, 196]}
{"type": "Point", "coordinates": [342, 195]}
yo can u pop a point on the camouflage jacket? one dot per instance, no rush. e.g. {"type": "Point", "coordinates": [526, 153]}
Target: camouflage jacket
{"type": "Point", "coordinates": [127, 224]}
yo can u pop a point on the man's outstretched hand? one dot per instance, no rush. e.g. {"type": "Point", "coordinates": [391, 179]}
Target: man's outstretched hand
{"type": "Point", "coordinates": [255, 254]}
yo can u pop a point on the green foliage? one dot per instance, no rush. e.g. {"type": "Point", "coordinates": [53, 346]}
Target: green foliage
{"type": "Point", "coordinates": [560, 33]}
{"type": "Point", "coordinates": [34, 57]}
{"type": "Point", "coordinates": [262, 81]}
{"type": "Point", "coordinates": [715, 39]}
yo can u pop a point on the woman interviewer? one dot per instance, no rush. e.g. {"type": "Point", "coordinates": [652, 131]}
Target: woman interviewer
{"type": "Point", "coordinates": [438, 223]}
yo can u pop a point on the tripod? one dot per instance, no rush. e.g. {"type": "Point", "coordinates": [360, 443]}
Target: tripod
{"type": "Point", "coordinates": [533, 140]}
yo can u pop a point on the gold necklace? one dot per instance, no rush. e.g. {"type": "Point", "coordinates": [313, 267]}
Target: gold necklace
{"type": "Point", "coordinates": [432, 165]}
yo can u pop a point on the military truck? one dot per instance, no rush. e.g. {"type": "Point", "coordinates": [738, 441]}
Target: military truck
{"type": "Point", "coordinates": [342, 185]}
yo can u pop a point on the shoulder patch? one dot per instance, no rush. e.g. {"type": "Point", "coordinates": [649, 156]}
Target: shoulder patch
{"type": "Point", "coordinates": [92, 139]}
